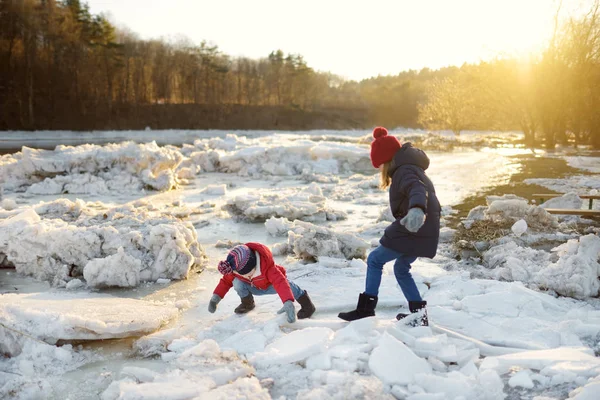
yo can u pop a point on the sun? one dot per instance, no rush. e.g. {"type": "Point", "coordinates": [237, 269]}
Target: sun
{"type": "Point", "coordinates": [527, 30]}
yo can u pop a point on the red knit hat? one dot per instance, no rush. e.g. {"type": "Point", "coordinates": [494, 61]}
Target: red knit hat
{"type": "Point", "coordinates": [383, 147]}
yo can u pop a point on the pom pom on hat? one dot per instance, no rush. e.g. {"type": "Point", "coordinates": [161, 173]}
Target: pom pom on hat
{"type": "Point", "coordinates": [384, 147]}
{"type": "Point", "coordinates": [380, 131]}
{"type": "Point", "coordinates": [224, 267]}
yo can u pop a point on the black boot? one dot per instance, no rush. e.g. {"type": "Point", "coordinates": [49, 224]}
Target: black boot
{"type": "Point", "coordinates": [246, 305]}
{"type": "Point", "coordinates": [415, 307]}
{"type": "Point", "coordinates": [365, 308]}
{"type": "Point", "coordinates": [308, 308]}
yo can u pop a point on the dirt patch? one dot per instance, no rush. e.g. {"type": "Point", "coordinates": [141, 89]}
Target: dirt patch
{"type": "Point", "coordinates": [530, 166]}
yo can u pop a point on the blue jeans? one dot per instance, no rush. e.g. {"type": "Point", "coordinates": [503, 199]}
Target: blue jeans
{"type": "Point", "coordinates": [375, 263]}
{"type": "Point", "coordinates": [243, 289]}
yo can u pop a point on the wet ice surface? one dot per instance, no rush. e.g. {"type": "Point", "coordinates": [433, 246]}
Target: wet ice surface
{"type": "Point", "coordinates": [489, 339]}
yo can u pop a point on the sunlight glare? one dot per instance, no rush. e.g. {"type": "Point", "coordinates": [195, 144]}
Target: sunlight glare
{"type": "Point", "coordinates": [349, 38]}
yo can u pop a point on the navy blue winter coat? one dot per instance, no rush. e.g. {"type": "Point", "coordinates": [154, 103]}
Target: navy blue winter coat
{"type": "Point", "coordinates": [412, 188]}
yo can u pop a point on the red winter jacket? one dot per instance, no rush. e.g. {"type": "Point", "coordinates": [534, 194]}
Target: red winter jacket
{"type": "Point", "coordinates": [270, 274]}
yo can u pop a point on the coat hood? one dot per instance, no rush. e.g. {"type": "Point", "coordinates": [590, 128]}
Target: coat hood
{"type": "Point", "coordinates": [409, 155]}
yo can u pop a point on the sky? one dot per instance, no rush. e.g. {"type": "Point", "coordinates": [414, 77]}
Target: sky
{"type": "Point", "coordinates": [353, 39]}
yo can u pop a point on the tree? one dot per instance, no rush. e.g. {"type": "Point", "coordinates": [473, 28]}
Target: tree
{"type": "Point", "coordinates": [449, 105]}
{"type": "Point", "coordinates": [507, 96]}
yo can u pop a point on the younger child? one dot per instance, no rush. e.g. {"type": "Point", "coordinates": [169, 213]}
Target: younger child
{"type": "Point", "coordinates": [251, 270]}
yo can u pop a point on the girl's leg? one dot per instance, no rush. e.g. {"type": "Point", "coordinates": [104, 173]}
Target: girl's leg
{"type": "Point", "coordinates": [405, 279]}
{"type": "Point", "coordinates": [242, 288]}
{"type": "Point", "coordinates": [296, 290]}
{"type": "Point", "coordinates": [375, 262]}
{"type": "Point", "coordinates": [307, 308]}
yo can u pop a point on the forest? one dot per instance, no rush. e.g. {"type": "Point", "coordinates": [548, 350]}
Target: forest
{"type": "Point", "coordinates": [63, 67]}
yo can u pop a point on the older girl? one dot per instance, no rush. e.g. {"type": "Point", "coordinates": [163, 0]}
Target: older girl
{"type": "Point", "coordinates": [414, 233]}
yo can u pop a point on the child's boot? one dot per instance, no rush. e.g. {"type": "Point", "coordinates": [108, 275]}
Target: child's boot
{"type": "Point", "coordinates": [308, 308]}
{"type": "Point", "coordinates": [246, 305]}
{"type": "Point", "coordinates": [416, 307]}
{"type": "Point", "coordinates": [365, 308]}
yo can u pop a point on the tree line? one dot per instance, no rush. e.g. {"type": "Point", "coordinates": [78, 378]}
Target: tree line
{"type": "Point", "coordinates": [59, 62]}
{"type": "Point", "coordinates": [62, 67]}
{"type": "Point", "coordinates": [553, 98]}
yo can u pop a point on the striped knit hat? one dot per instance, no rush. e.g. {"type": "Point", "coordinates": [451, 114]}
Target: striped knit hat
{"type": "Point", "coordinates": [240, 259]}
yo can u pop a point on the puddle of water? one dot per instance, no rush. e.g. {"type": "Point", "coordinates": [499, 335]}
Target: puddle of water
{"type": "Point", "coordinates": [528, 166]}
{"type": "Point", "coordinates": [11, 282]}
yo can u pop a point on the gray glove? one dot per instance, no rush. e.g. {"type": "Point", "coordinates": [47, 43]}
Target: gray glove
{"type": "Point", "coordinates": [414, 220]}
{"type": "Point", "coordinates": [288, 308]}
{"type": "Point", "coordinates": [214, 300]}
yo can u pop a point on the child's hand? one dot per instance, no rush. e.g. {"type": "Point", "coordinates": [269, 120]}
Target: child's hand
{"type": "Point", "coordinates": [212, 305]}
{"type": "Point", "coordinates": [288, 308]}
{"type": "Point", "coordinates": [414, 220]}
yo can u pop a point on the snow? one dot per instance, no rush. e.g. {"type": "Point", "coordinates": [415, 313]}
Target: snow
{"type": "Point", "coordinates": [283, 157]}
{"type": "Point", "coordinates": [121, 270]}
{"type": "Point", "coordinates": [202, 371]}
{"type": "Point", "coordinates": [303, 204]}
{"type": "Point", "coordinates": [505, 207]}
{"type": "Point", "coordinates": [90, 169]}
{"type": "Point", "coordinates": [51, 317]}
{"type": "Point", "coordinates": [8, 204]}
{"type": "Point", "coordinates": [574, 273]}
{"type": "Point", "coordinates": [568, 200]}
{"type": "Point", "coordinates": [590, 164]}
{"type": "Point", "coordinates": [120, 246]}
{"type": "Point", "coordinates": [521, 379]}
{"type": "Point", "coordinates": [518, 318]}
{"type": "Point", "coordinates": [552, 362]}
{"type": "Point", "coordinates": [519, 227]}
{"type": "Point", "coordinates": [588, 392]}
{"type": "Point", "coordinates": [296, 346]}
{"type": "Point", "coordinates": [394, 363]}
{"type": "Point", "coordinates": [217, 190]}
{"type": "Point", "coordinates": [309, 241]}
{"type": "Point", "coordinates": [581, 184]}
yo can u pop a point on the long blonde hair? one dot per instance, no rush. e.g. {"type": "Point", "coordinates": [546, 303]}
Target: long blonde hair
{"type": "Point", "coordinates": [384, 179]}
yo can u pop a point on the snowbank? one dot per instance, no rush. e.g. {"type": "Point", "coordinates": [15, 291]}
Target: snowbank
{"type": "Point", "coordinates": [533, 344]}
{"type": "Point", "coordinates": [368, 358]}
{"type": "Point", "coordinates": [570, 269]}
{"type": "Point", "coordinates": [279, 156]}
{"type": "Point", "coordinates": [588, 392]}
{"type": "Point", "coordinates": [486, 226]}
{"type": "Point", "coordinates": [512, 208]}
{"type": "Point", "coordinates": [568, 200]}
{"type": "Point", "coordinates": [581, 184]}
{"type": "Point", "coordinates": [359, 190]}
{"type": "Point", "coordinates": [295, 347]}
{"type": "Point", "coordinates": [576, 272]}
{"type": "Point", "coordinates": [27, 375]}
{"type": "Point", "coordinates": [307, 204]}
{"type": "Point", "coordinates": [309, 242]}
{"type": "Point", "coordinates": [183, 137]}
{"type": "Point", "coordinates": [198, 370]}
{"type": "Point", "coordinates": [394, 363]}
{"type": "Point", "coordinates": [51, 317]}
{"type": "Point", "coordinates": [591, 164]}
{"type": "Point", "coordinates": [123, 246]}
{"type": "Point", "coordinates": [507, 315]}
{"type": "Point", "coordinates": [90, 169]}
{"type": "Point", "coordinates": [528, 337]}
{"type": "Point", "coordinates": [553, 361]}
